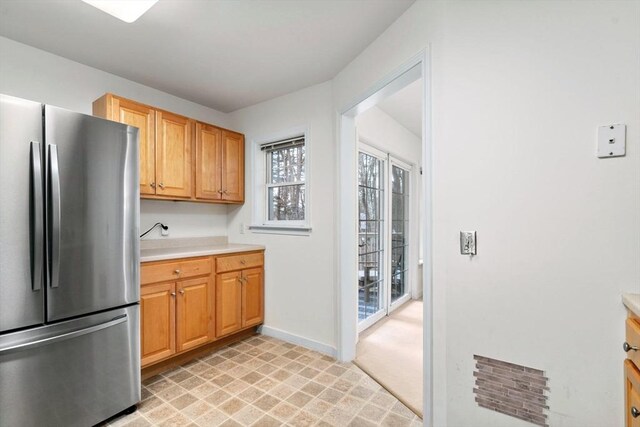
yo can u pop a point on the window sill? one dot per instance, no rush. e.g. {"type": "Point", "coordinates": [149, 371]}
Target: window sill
{"type": "Point", "coordinates": [290, 230]}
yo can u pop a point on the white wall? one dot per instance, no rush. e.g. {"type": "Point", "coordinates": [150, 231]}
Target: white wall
{"type": "Point", "coordinates": [382, 131]}
{"type": "Point", "coordinates": [299, 271]}
{"type": "Point", "coordinates": [519, 89]}
{"type": "Point", "coordinates": [30, 73]}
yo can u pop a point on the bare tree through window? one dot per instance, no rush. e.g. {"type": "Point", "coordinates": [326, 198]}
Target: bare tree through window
{"type": "Point", "coordinates": [286, 180]}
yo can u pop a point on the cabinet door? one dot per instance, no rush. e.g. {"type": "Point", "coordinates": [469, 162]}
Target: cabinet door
{"type": "Point", "coordinates": [232, 166]}
{"type": "Point", "coordinates": [157, 322]}
{"type": "Point", "coordinates": [632, 394]}
{"type": "Point", "coordinates": [143, 118]}
{"type": "Point", "coordinates": [252, 297]}
{"type": "Point", "coordinates": [228, 303]}
{"type": "Point", "coordinates": [208, 162]}
{"type": "Point", "coordinates": [174, 171]}
{"type": "Point", "coordinates": [194, 312]}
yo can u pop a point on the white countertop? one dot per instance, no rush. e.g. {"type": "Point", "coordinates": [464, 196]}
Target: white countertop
{"type": "Point", "coordinates": [190, 247]}
{"type": "Point", "coordinates": [632, 302]}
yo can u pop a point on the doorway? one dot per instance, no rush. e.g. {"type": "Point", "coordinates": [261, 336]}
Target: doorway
{"type": "Point", "coordinates": [384, 279]}
{"type": "Point", "coordinates": [348, 254]}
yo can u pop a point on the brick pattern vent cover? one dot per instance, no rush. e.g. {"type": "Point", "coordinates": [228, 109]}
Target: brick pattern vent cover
{"type": "Point", "coordinates": [511, 389]}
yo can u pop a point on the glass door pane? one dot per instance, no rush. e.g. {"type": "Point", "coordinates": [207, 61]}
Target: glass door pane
{"type": "Point", "coordinates": [371, 247]}
{"type": "Point", "coordinates": [399, 232]}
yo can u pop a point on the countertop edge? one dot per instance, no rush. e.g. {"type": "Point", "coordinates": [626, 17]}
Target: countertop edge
{"type": "Point", "coordinates": [632, 302]}
{"type": "Point", "coordinates": [178, 253]}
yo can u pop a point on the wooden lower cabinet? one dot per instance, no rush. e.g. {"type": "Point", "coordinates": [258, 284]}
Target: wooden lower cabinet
{"type": "Point", "coordinates": [239, 300]}
{"type": "Point", "coordinates": [192, 305]}
{"type": "Point", "coordinates": [157, 322]}
{"type": "Point", "coordinates": [252, 297]}
{"type": "Point", "coordinates": [228, 303]}
{"type": "Point", "coordinates": [632, 394]}
{"type": "Point", "coordinates": [194, 313]}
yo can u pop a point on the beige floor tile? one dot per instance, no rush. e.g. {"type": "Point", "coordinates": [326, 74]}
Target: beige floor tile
{"type": "Point", "coordinates": [161, 413]}
{"type": "Point", "coordinates": [283, 411]}
{"type": "Point", "coordinates": [267, 421]}
{"type": "Point", "coordinates": [196, 410]}
{"type": "Point", "coordinates": [395, 420]}
{"type": "Point", "coordinates": [263, 381]}
{"type": "Point", "coordinates": [176, 421]}
{"type": "Point", "coordinates": [303, 419]}
{"type": "Point", "coordinates": [248, 415]}
{"type": "Point", "coordinates": [214, 417]}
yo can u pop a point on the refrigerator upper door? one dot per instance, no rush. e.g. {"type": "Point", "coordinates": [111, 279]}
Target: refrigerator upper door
{"type": "Point", "coordinates": [92, 214]}
{"type": "Point", "coordinates": [21, 214]}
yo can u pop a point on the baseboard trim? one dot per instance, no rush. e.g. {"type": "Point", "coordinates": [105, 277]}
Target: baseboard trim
{"type": "Point", "coordinates": [298, 340]}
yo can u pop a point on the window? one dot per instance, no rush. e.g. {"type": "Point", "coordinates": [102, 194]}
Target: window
{"type": "Point", "coordinates": [284, 203]}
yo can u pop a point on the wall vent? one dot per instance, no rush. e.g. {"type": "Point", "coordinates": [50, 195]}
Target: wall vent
{"type": "Point", "coordinates": [511, 389]}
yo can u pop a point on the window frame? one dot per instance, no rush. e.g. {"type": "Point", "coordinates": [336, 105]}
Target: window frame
{"type": "Point", "coordinates": [261, 222]}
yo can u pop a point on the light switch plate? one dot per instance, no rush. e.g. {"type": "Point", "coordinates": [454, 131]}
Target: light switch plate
{"type": "Point", "coordinates": [468, 242]}
{"type": "Point", "coordinates": [612, 140]}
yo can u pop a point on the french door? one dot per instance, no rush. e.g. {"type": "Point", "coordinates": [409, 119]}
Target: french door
{"type": "Point", "coordinates": [383, 235]}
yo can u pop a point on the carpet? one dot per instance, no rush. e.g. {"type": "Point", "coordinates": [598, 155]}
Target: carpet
{"type": "Point", "coordinates": [391, 353]}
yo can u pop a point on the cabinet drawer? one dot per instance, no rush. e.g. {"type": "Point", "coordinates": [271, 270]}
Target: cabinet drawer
{"type": "Point", "coordinates": [174, 270]}
{"type": "Point", "coordinates": [239, 262]}
{"type": "Point", "coordinates": [633, 339]}
{"type": "Point", "coordinates": [632, 394]}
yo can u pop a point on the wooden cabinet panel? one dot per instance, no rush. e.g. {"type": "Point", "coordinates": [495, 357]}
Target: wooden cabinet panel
{"type": "Point", "coordinates": [238, 262]}
{"type": "Point", "coordinates": [157, 322]}
{"type": "Point", "coordinates": [633, 339]}
{"type": "Point", "coordinates": [632, 394]}
{"type": "Point", "coordinates": [228, 303]}
{"type": "Point", "coordinates": [252, 297]}
{"type": "Point", "coordinates": [208, 162]}
{"type": "Point", "coordinates": [143, 117]}
{"type": "Point", "coordinates": [195, 324]}
{"type": "Point", "coordinates": [173, 155]}
{"type": "Point", "coordinates": [233, 166]}
{"type": "Point", "coordinates": [173, 270]}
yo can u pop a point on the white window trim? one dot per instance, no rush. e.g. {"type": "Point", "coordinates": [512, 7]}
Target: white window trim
{"type": "Point", "coordinates": [260, 222]}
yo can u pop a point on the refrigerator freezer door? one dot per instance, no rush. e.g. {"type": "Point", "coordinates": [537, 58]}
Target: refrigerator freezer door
{"type": "Point", "coordinates": [21, 214]}
{"type": "Point", "coordinates": [73, 373]}
{"type": "Point", "coordinates": [92, 214]}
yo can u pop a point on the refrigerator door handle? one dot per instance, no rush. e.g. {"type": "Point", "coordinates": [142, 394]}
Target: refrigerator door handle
{"type": "Point", "coordinates": [54, 179]}
{"type": "Point", "coordinates": [37, 217]}
{"type": "Point", "coordinates": [62, 337]}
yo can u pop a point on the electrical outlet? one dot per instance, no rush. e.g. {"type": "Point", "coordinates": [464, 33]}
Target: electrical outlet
{"type": "Point", "coordinates": [164, 232]}
{"type": "Point", "coordinates": [242, 228]}
{"type": "Point", "coordinates": [468, 242]}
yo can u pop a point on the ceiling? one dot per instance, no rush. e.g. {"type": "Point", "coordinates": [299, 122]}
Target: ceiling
{"type": "Point", "coordinates": [219, 53]}
{"type": "Point", "coordinates": [405, 106]}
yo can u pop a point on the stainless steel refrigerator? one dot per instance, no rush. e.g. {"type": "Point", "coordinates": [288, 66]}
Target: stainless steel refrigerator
{"type": "Point", "coordinates": [69, 266]}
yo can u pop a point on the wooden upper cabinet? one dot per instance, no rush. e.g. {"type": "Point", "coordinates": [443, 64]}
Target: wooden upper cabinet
{"type": "Point", "coordinates": [195, 322]}
{"type": "Point", "coordinates": [181, 159]}
{"type": "Point", "coordinates": [140, 116]}
{"type": "Point", "coordinates": [157, 322]}
{"type": "Point", "coordinates": [252, 297]}
{"type": "Point", "coordinates": [208, 162]}
{"type": "Point", "coordinates": [233, 166]}
{"type": "Point", "coordinates": [173, 155]}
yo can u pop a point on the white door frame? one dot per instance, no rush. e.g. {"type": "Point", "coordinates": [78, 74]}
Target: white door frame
{"type": "Point", "coordinates": [346, 250]}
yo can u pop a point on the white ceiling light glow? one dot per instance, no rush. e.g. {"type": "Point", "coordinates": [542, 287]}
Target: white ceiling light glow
{"type": "Point", "coordinates": [125, 10]}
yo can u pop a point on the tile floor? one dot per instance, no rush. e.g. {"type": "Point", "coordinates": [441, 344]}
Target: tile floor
{"type": "Point", "coordinates": [263, 381]}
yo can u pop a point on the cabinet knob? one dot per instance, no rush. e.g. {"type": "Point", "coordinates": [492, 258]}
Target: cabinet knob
{"type": "Point", "coordinates": [173, 294]}
{"type": "Point", "coordinates": [243, 262]}
{"type": "Point", "coordinates": [161, 185]}
{"type": "Point", "coordinates": [152, 185]}
{"type": "Point", "coordinates": [626, 347]}
{"type": "Point", "coordinates": [181, 291]}
{"type": "Point", "coordinates": [219, 191]}
{"type": "Point", "coordinates": [224, 192]}
{"type": "Point", "coordinates": [634, 412]}
{"type": "Point", "coordinates": [178, 271]}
